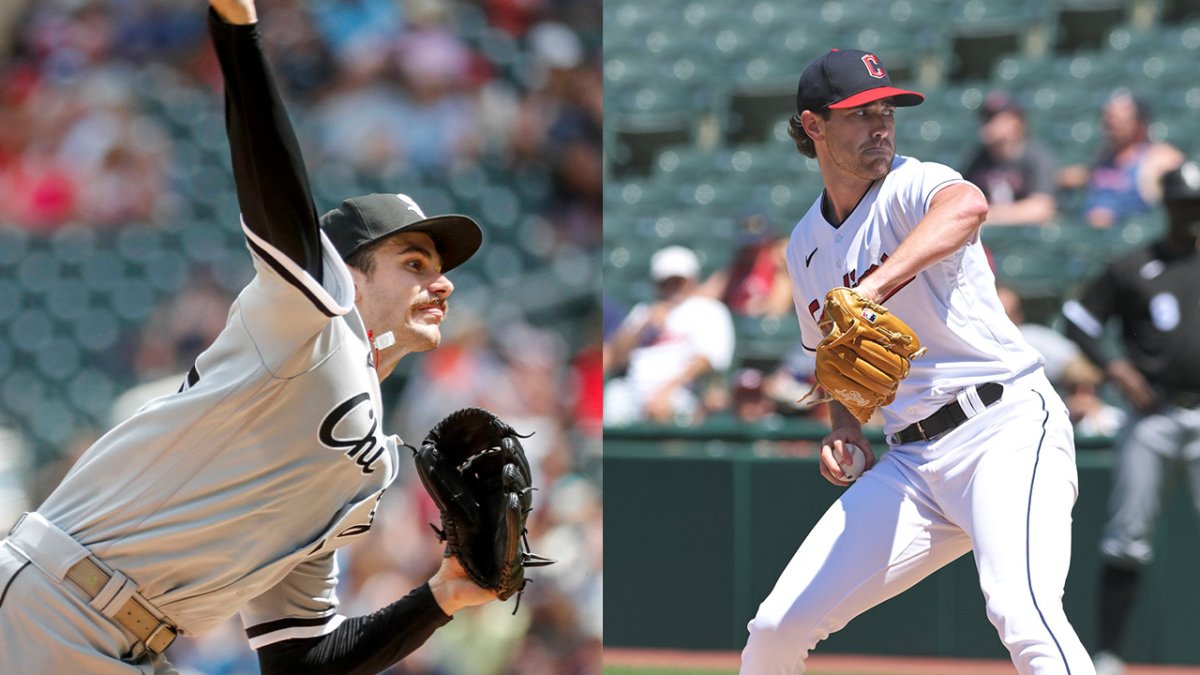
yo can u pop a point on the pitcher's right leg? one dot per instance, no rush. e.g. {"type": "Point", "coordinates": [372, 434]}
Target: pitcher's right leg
{"type": "Point", "coordinates": [876, 541]}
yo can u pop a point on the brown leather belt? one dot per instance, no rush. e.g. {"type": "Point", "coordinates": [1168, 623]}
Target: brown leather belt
{"type": "Point", "coordinates": [155, 635]}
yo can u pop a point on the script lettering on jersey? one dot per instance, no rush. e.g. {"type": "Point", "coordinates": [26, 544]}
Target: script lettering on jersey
{"type": "Point", "coordinates": [364, 450]}
{"type": "Point", "coordinates": [850, 279]}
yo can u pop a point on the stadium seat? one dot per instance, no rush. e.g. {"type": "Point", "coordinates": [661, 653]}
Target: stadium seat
{"type": "Point", "coordinates": [977, 47]}
{"type": "Point", "coordinates": [639, 139]}
{"type": "Point", "coordinates": [762, 342]}
{"type": "Point", "coordinates": [684, 162]}
{"type": "Point", "coordinates": [754, 110]}
{"type": "Point", "coordinates": [1178, 11]}
{"type": "Point", "coordinates": [1085, 24]}
{"type": "Point", "coordinates": [92, 393]}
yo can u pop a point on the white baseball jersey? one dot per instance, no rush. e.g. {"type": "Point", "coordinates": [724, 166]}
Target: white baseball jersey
{"type": "Point", "coordinates": [698, 326]}
{"type": "Point", "coordinates": [233, 493]}
{"type": "Point", "coordinates": [952, 305]}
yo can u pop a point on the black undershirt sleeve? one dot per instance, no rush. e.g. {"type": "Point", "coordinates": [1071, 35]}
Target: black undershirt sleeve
{"type": "Point", "coordinates": [268, 169]}
{"type": "Point", "coordinates": [363, 644]}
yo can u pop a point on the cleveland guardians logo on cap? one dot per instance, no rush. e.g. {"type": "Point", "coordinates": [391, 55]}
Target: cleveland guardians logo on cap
{"type": "Point", "coordinates": [874, 67]}
{"type": "Point", "coordinates": [847, 79]}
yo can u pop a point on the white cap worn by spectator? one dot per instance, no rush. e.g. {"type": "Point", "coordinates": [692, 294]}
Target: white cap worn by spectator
{"type": "Point", "coordinates": [674, 261]}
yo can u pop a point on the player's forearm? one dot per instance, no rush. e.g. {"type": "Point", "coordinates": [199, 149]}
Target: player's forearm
{"type": "Point", "coordinates": [268, 170]}
{"type": "Point", "coordinates": [840, 418]}
{"type": "Point", "coordinates": [363, 644]}
{"type": "Point", "coordinates": [953, 219]}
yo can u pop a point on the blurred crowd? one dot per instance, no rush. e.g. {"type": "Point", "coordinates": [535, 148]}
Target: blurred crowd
{"type": "Point", "coordinates": [105, 122]}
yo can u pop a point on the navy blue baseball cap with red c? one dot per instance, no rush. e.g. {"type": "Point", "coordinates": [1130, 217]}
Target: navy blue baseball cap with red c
{"type": "Point", "coordinates": [847, 79]}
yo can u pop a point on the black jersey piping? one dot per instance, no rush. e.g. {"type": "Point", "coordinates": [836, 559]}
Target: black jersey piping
{"type": "Point", "coordinates": [291, 278]}
{"type": "Point", "coordinates": [10, 582]}
{"type": "Point", "coordinates": [1028, 538]}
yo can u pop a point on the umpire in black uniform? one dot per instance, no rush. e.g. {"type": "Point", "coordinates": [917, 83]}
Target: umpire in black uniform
{"type": "Point", "coordinates": [1153, 292]}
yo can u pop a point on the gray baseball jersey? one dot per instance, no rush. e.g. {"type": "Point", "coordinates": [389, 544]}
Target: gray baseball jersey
{"type": "Point", "coordinates": [277, 422]}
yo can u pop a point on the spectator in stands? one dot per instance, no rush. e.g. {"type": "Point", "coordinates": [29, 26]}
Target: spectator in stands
{"type": "Point", "coordinates": [668, 345]}
{"type": "Point", "coordinates": [1124, 179]}
{"type": "Point", "coordinates": [1015, 171]}
{"type": "Point", "coordinates": [756, 283]}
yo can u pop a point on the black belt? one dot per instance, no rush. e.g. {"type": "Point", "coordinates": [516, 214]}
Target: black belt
{"type": "Point", "coordinates": [947, 417]}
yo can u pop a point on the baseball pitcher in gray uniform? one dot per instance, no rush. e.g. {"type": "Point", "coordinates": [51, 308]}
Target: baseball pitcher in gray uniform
{"type": "Point", "coordinates": [232, 495]}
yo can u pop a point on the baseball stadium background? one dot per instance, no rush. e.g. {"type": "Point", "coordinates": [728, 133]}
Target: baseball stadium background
{"type": "Point", "coordinates": [696, 96]}
{"type": "Point", "coordinates": [120, 252]}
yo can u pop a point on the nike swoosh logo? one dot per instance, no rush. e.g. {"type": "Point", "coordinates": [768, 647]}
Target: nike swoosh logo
{"type": "Point", "coordinates": [810, 256]}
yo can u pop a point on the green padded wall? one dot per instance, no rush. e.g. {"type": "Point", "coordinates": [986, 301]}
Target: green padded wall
{"type": "Point", "coordinates": [697, 531]}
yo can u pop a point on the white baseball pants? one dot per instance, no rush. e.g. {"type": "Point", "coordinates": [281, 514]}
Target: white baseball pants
{"type": "Point", "coordinates": [1001, 484]}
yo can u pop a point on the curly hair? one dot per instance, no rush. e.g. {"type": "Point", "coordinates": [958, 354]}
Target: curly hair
{"type": "Point", "coordinates": [804, 144]}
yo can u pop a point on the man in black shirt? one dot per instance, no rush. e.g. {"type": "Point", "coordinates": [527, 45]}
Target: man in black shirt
{"type": "Point", "coordinates": [1153, 293]}
{"type": "Point", "coordinates": [1015, 171]}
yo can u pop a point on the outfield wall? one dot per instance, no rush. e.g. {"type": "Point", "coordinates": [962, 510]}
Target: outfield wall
{"type": "Point", "coordinates": [700, 522]}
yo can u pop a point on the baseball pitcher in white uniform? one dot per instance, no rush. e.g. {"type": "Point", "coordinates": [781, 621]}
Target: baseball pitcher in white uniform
{"type": "Point", "coordinates": [232, 495]}
{"type": "Point", "coordinates": [981, 452]}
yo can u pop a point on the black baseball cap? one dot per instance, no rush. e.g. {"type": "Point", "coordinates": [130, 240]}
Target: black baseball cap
{"type": "Point", "coordinates": [1182, 184]}
{"type": "Point", "coordinates": [847, 79]}
{"type": "Point", "coordinates": [362, 220]}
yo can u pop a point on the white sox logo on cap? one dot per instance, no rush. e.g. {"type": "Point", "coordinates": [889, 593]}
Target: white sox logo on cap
{"type": "Point", "coordinates": [412, 206]}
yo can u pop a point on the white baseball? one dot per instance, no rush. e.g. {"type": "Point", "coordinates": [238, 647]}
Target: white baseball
{"type": "Point", "coordinates": [858, 462]}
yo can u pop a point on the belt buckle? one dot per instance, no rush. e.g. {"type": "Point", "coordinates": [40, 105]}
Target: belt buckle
{"type": "Point", "coordinates": [152, 640]}
{"type": "Point", "coordinates": [921, 430]}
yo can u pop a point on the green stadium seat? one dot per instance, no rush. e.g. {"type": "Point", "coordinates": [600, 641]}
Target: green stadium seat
{"type": "Point", "coordinates": [682, 163]}
{"type": "Point", "coordinates": [1178, 11]}
{"type": "Point", "coordinates": [59, 360]}
{"type": "Point", "coordinates": [67, 299]}
{"type": "Point", "coordinates": [72, 244]}
{"type": "Point", "coordinates": [762, 342]}
{"type": "Point", "coordinates": [1085, 24]}
{"type": "Point", "coordinates": [976, 47]}
{"type": "Point", "coordinates": [92, 393]}
{"type": "Point", "coordinates": [31, 329]}
{"type": "Point", "coordinates": [14, 242]}
{"type": "Point", "coordinates": [1017, 72]}
{"type": "Point", "coordinates": [755, 109]}
{"type": "Point", "coordinates": [96, 329]}
{"type": "Point", "coordinates": [638, 140]}
{"type": "Point", "coordinates": [39, 271]}
{"type": "Point", "coordinates": [11, 299]}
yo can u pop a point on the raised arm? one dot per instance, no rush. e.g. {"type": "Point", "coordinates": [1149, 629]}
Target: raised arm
{"type": "Point", "coordinates": [954, 218]}
{"type": "Point", "coordinates": [268, 169]}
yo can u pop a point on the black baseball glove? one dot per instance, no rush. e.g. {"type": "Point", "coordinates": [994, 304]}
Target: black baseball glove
{"type": "Point", "coordinates": [474, 467]}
